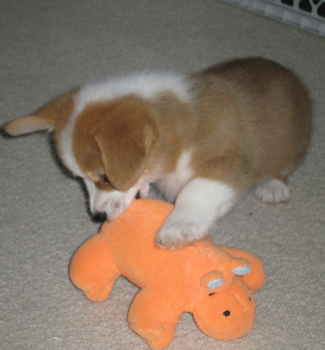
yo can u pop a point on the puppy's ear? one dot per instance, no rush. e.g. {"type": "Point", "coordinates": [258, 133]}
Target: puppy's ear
{"type": "Point", "coordinates": [44, 119]}
{"type": "Point", "coordinates": [125, 146]}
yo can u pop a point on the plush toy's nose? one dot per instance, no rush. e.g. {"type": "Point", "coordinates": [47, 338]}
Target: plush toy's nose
{"type": "Point", "coordinates": [100, 217]}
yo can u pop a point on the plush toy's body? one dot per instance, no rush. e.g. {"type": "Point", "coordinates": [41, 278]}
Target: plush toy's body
{"type": "Point", "coordinates": [200, 278]}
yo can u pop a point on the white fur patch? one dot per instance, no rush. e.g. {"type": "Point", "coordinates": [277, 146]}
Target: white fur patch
{"type": "Point", "coordinates": [199, 204]}
{"type": "Point", "coordinates": [145, 85]}
{"type": "Point", "coordinates": [65, 149]}
{"type": "Point", "coordinates": [172, 183]}
{"type": "Point", "coordinates": [273, 192]}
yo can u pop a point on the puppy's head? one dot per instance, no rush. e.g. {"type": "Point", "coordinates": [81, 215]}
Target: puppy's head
{"type": "Point", "coordinates": [106, 143]}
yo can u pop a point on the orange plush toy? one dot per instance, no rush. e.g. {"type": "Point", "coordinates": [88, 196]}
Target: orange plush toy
{"type": "Point", "coordinates": [214, 283]}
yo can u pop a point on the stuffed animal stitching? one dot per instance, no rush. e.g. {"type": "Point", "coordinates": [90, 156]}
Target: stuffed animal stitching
{"type": "Point", "coordinates": [214, 283]}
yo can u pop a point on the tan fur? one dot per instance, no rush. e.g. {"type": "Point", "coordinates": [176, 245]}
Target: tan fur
{"type": "Point", "coordinates": [114, 139]}
{"type": "Point", "coordinates": [256, 122]}
{"type": "Point", "coordinates": [53, 116]}
{"type": "Point", "coordinates": [250, 120]}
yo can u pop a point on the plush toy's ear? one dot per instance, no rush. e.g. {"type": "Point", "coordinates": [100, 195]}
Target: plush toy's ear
{"type": "Point", "coordinates": [256, 278]}
{"type": "Point", "coordinates": [240, 267]}
{"type": "Point", "coordinates": [45, 119]}
{"type": "Point", "coordinates": [212, 280]}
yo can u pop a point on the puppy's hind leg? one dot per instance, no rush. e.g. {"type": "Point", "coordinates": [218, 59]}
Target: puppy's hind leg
{"type": "Point", "coordinates": [273, 191]}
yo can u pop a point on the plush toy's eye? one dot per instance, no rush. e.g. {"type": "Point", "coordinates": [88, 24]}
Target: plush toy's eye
{"type": "Point", "coordinates": [249, 298]}
{"type": "Point", "coordinates": [226, 313]}
{"type": "Point", "coordinates": [105, 180]}
{"type": "Point", "coordinates": [210, 295]}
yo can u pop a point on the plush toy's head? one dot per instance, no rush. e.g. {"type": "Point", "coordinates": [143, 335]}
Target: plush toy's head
{"type": "Point", "coordinates": [226, 315]}
{"type": "Point", "coordinates": [214, 283]}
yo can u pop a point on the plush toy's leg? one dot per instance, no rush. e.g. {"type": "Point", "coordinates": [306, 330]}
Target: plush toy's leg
{"type": "Point", "coordinates": [256, 278]}
{"type": "Point", "coordinates": [93, 270]}
{"type": "Point", "coordinates": [154, 318]}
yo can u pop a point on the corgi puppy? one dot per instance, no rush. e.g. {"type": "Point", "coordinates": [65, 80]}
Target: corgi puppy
{"type": "Point", "coordinates": [204, 139]}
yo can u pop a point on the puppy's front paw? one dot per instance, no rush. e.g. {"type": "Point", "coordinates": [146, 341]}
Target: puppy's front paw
{"type": "Point", "coordinates": [178, 232]}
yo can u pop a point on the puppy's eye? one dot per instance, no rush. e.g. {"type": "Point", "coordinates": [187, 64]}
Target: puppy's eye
{"type": "Point", "coordinates": [105, 180]}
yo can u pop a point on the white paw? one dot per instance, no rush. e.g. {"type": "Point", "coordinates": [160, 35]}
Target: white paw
{"type": "Point", "coordinates": [178, 232]}
{"type": "Point", "coordinates": [273, 192]}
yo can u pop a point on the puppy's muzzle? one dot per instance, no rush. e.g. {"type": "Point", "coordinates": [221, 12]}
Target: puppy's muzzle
{"type": "Point", "coordinates": [100, 217]}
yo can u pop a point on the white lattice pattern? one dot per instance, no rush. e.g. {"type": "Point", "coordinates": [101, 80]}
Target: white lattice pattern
{"type": "Point", "coordinates": [307, 14]}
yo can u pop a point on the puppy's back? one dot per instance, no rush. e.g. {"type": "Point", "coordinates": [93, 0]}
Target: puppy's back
{"type": "Point", "coordinates": [257, 111]}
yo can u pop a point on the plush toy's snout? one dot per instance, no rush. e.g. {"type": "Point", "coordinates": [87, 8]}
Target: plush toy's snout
{"type": "Point", "coordinates": [214, 283]}
{"type": "Point", "coordinates": [226, 315]}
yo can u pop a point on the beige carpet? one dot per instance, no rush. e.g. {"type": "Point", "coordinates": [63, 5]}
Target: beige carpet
{"type": "Point", "coordinates": [47, 47]}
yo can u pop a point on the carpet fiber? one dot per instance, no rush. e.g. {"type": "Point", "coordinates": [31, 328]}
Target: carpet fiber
{"type": "Point", "coordinates": [48, 47]}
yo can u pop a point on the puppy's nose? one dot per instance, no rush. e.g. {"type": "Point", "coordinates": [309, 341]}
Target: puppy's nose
{"type": "Point", "coordinates": [98, 216]}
